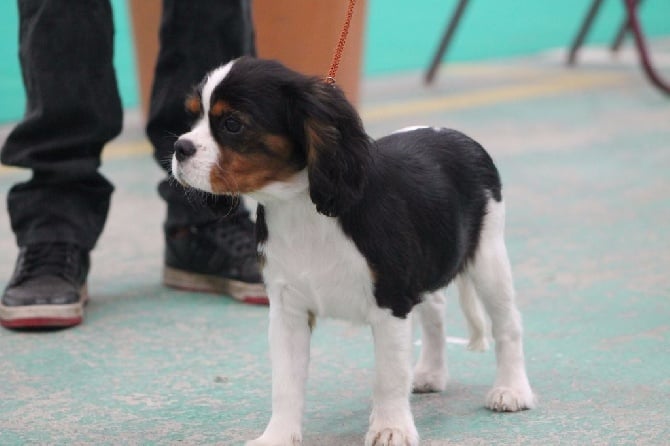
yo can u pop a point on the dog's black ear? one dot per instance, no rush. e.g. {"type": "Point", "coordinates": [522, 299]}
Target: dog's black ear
{"type": "Point", "coordinates": [336, 146]}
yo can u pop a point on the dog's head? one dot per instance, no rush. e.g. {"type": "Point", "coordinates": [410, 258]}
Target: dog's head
{"type": "Point", "coordinates": [261, 124]}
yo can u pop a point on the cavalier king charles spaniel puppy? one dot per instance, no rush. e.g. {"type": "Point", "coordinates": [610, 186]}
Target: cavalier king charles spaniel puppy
{"type": "Point", "coordinates": [359, 229]}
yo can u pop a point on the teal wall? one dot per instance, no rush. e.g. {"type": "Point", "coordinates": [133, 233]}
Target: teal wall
{"type": "Point", "coordinates": [11, 88]}
{"type": "Point", "coordinates": [401, 35]}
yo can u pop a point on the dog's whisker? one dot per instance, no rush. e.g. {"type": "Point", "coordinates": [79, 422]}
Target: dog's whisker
{"type": "Point", "coordinates": [167, 158]}
{"type": "Point", "coordinates": [170, 136]}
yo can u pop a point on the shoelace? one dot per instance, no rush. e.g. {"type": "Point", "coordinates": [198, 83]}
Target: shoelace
{"type": "Point", "coordinates": [55, 259]}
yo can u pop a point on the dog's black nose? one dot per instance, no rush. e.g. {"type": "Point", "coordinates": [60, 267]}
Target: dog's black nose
{"type": "Point", "coordinates": [183, 149]}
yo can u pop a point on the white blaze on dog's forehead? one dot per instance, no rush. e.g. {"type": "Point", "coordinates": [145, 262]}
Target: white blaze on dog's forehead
{"type": "Point", "coordinates": [195, 171]}
{"type": "Point", "coordinates": [214, 78]}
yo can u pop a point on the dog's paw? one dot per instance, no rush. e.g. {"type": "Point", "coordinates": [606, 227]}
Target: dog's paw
{"type": "Point", "coordinates": [510, 399]}
{"type": "Point", "coordinates": [426, 380]}
{"type": "Point", "coordinates": [276, 440]}
{"type": "Point", "coordinates": [402, 432]}
{"type": "Point", "coordinates": [392, 437]}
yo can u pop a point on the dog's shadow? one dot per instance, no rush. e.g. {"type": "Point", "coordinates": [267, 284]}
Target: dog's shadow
{"type": "Point", "coordinates": [458, 400]}
{"type": "Point", "coordinates": [433, 413]}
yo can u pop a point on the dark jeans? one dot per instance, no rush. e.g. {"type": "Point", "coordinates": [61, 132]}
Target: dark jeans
{"type": "Point", "coordinates": [73, 108]}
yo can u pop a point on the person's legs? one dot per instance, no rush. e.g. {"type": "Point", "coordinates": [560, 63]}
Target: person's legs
{"type": "Point", "coordinates": [73, 109]}
{"type": "Point", "coordinates": [204, 251]}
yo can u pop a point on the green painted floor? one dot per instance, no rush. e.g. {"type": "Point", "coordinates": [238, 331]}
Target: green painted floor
{"type": "Point", "coordinates": [585, 160]}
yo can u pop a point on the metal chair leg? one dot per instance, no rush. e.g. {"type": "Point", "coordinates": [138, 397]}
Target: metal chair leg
{"type": "Point", "coordinates": [583, 31]}
{"type": "Point", "coordinates": [446, 39]}
{"type": "Point", "coordinates": [649, 70]}
{"type": "Point", "coordinates": [623, 29]}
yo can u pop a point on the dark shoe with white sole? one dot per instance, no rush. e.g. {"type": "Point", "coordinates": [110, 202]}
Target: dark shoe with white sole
{"type": "Point", "coordinates": [216, 257]}
{"type": "Point", "coordinates": [48, 288]}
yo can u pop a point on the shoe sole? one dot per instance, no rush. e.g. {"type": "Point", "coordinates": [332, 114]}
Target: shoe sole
{"type": "Point", "coordinates": [249, 293]}
{"type": "Point", "coordinates": [44, 316]}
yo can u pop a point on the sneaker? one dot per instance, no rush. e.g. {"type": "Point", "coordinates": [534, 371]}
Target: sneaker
{"type": "Point", "coordinates": [48, 288]}
{"type": "Point", "coordinates": [215, 257]}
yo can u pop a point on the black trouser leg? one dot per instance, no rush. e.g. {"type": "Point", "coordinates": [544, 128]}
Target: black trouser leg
{"type": "Point", "coordinates": [73, 109]}
{"type": "Point", "coordinates": [195, 37]}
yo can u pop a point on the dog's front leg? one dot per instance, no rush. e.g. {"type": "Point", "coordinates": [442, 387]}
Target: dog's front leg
{"type": "Point", "coordinates": [391, 421]}
{"type": "Point", "coordinates": [289, 337]}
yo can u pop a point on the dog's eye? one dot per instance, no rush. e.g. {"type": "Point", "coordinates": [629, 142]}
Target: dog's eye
{"type": "Point", "coordinates": [232, 125]}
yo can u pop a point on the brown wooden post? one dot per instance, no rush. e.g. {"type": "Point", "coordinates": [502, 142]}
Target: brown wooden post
{"type": "Point", "coordinates": [145, 17]}
{"type": "Point", "coordinates": [303, 35]}
{"type": "Point", "coordinates": [300, 33]}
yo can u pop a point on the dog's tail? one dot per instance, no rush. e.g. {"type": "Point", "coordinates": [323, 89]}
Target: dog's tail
{"type": "Point", "coordinates": [475, 315]}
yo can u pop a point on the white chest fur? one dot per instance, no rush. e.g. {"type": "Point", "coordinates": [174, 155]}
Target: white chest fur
{"type": "Point", "coordinates": [312, 265]}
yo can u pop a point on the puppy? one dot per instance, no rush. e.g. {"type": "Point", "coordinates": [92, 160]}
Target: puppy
{"type": "Point", "coordinates": [360, 230]}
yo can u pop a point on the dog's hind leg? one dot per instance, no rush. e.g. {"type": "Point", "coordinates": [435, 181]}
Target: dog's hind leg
{"type": "Point", "coordinates": [492, 277]}
{"type": "Point", "coordinates": [471, 306]}
{"type": "Point", "coordinates": [430, 372]}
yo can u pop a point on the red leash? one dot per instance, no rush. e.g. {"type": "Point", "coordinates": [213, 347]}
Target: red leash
{"type": "Point", "coordinates": [335, 64]}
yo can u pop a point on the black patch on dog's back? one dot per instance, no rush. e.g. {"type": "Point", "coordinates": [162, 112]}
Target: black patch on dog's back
{"type": "Point", "coordinates": [419, 220]}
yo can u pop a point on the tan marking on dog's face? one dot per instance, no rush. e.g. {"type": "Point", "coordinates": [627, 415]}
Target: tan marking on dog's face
{"type": "Point", "coordinates": [279, 146]}
{"type": "Point", "coordinates": [244, 172]}
{"type": "Point", "coordinates": [193, 104]}
{"type": "Point", "coordinates": [219, 108]}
